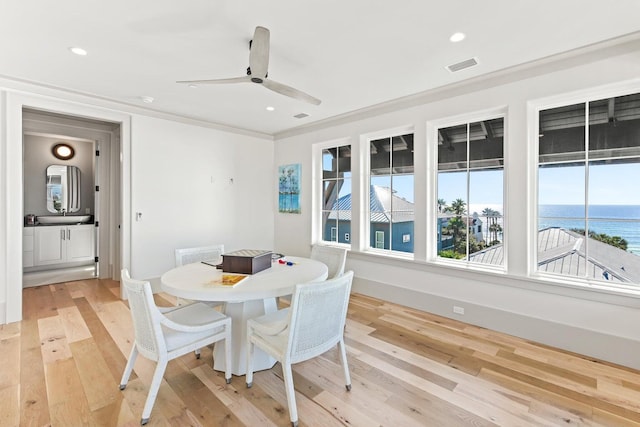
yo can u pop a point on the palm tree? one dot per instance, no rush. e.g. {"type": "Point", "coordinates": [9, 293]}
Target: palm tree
{"type": "Point", "coordinates": [290, 179]}
{"type": "Point", "coordinates": [487, 213]}
{"type": "Point", "coordinates": [442, 205]}
{"type": "Point", "coordinates": [457, 226]}
{"type": "Point", "coordinates": [495, 228]}
{"type": "Point", "coordinates": [458, 207]}
{"type": "Point", "coordinates": [282, 190]}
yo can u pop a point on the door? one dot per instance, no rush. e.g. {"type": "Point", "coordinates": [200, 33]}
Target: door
{"type": "Point", "coordinates": [80, 243]}
{"type": "Point", "coordinates": [50, 245]}
{"type": "Point", "coordinates": [379, 239]}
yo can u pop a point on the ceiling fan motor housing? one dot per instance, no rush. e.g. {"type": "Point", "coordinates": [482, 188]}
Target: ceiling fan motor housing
{"type": "Point", "coordinates": [255, 79]}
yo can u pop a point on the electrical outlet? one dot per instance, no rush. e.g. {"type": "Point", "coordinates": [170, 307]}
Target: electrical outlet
{"type": "Point", "coordinates": [458, 310]}
{"type": "Point", "coordinates": [87, 211]}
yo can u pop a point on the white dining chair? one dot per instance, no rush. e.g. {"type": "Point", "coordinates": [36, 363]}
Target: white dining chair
{"type": "Point", "coordinates": [162, 334]}
{"type": "Point", "coordinates": [313, 324]}
{"type": "Point", "coordinates": [211, 254]}
{"type": "Point", "coordinates": [334, 258]}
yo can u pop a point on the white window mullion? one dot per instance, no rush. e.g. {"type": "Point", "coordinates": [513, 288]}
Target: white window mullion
{"type": "Point", "coordinates": [586, 190]}
{"type": "Point", "coordinates": [468, 171]}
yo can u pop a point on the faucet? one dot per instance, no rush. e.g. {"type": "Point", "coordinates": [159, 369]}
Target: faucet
{"type": "Point", "coordinates": [64, 212]}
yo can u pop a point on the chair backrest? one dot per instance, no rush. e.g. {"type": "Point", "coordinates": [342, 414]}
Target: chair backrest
{"type": "Point", "coordinates": [317, 316]}
{"type": "Point", "coordinates": [145, 315]}
{"type": "Point", "coordinates": [334, 258]}
{"type": "Point", "coordinates": [212, 254]}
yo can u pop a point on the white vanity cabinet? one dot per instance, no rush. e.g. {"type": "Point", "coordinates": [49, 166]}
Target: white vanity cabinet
{"type": "Point", "coordinates": [63, 244]}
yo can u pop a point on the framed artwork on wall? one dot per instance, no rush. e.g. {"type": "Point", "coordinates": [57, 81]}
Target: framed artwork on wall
{"type": "Point", "coordinates": [289, 178]}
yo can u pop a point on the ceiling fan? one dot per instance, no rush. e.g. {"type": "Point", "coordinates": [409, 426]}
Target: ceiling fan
{"type": "Point", "coordinates": [258, 70]}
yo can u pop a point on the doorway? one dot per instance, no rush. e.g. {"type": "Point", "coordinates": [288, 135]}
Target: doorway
{"type": "Point", "coordinates": [12, 105]}
{"type": "Point", "coordinates": [88, 248]}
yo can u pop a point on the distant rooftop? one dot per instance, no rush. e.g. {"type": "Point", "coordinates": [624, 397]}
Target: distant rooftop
{"type": "Point", "coordinates": [561, 251]}
{"type": "Point", "coordinates": [381, 200]}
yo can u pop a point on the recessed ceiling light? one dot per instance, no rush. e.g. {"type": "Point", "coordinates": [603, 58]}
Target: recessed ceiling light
{"type": "Point", "coordinates": [63, 151]}
{"type": "Point", "coordinates": [78, 51]}
{"type": "Point", "coordinates": [147, 99]}
{"type": "Point", "coordinates": [192, 86]}
{"type": "Point", "coordinates": [270, 108]}
{"type": "Point", "coordinates": [457, 37]}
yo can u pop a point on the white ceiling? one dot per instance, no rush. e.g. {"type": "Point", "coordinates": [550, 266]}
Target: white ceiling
{"type": "Point", "coordinates": [351, 54]}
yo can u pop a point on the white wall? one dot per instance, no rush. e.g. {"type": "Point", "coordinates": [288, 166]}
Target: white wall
{"type": "Point", "coordinates": [196, 186]}
{"type": "Point", "coordinates": [597, 323]}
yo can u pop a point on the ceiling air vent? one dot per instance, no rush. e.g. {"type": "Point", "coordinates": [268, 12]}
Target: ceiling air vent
{"type": "Point", "coordinates": [301, 116]}
{"type": "Point", "coordinates": [472, 62]}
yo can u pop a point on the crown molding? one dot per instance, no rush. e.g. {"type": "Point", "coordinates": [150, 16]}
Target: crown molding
{"type": "Point", "coordinates": [591, 53]}
{"type": "Point", "coordinates": [24, 86]}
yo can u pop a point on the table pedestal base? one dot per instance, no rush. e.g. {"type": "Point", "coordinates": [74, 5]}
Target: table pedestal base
{"type": "Point", "coordinates": [240, 312]}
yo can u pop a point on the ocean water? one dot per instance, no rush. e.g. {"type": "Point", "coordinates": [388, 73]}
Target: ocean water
{"type": "Point", "coordinates": [614, 220]}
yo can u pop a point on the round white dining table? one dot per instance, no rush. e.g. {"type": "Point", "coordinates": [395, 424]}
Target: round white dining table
{"type": "Point", "coordinates": [252, 297]}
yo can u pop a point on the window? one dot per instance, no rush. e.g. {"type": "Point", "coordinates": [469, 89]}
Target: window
{"type": "Point", "coordinates": [391, 202]}
{"type": "Point", "coordinates": [470, 192]}
{"type": "Point", "coordinates": [588, 198]}
{"type": "Point", "coordinates": [336, 193]}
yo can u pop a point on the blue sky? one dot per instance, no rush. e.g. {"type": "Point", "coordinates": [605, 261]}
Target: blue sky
{"type": "Point", "coordinates": [486, 188]}
{"type": "Point", "coordinates": [613, 184]}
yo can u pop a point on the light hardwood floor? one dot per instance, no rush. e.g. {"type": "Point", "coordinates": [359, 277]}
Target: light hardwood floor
{"type": "Point", "coordinates": [62, 364]}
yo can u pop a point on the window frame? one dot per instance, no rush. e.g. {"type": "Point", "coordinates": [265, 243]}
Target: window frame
{"type": "Point", "coordinates": [317, 233]}
{"type": "Point", "coordinates": [534, 107]}
{"type": "Point", "coordinates": [432, 188]}
{"type": "Point", "coordinates": [364, 185]}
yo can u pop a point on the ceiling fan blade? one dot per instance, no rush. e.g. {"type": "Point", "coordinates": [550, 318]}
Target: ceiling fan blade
{"type": "Point", "coordinates": [290, 92]}
{"type": "Point", "coordinates": [259, 54]}
{"type": "Point", "coordinates": [242, 79]}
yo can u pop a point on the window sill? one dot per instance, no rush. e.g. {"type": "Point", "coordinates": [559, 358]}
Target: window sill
{"type": "Point", "coordinates": [559, 286]}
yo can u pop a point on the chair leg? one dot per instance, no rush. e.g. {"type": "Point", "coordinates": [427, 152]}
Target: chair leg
{"type": "Point", "coordinates": [291, 393]}
{"type": "Point", "coordinates": [153, 390]}
{"type": "Point", "coordinates": [249, 374]}
{"type": "Point", "coordinates": [227, 354]}
{"type": "Point", "coordinates": [197, 353]}
{"type": "Point", "coordinates": [129, 367]}
{"type": "Point", "coordinates": [345, 365]}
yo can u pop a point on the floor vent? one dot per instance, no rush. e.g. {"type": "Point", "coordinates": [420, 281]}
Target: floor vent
{"type": "Point", "coordinates": [301, 116]}
{"type": "Point", "coordinates": [472, 62]}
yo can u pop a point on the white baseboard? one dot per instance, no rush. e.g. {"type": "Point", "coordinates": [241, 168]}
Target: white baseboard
{"type": "Point", "coordinates": [46, 277]}
{"type": "Point", "coordinates": [590, 343]}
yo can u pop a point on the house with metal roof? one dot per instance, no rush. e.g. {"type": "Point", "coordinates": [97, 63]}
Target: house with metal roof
{"type": "Point", "coordinates": [388, 208]}
{"type": "Point", "coordinates": [562, 251]}
{"type": "Point", "coordinates": [392, 219]}
{"type": "Point", "coordinates": [473, 223]}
